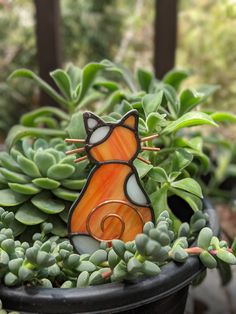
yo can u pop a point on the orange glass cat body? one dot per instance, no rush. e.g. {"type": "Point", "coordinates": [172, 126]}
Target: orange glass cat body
{"type": "Point", "coordinates": [113, 204]}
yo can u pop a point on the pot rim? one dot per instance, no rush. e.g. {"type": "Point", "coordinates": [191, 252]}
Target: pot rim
{"type": "Point", "coordinates": [111, 297]}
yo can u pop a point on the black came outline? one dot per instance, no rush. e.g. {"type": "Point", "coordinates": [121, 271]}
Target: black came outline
{"type": "Point", "coordinates": [89, 146]}
{"type": "Point", "coordinates": [133, 171]}
{"type": "Point", "coordinates": [89, 115]}
{"type": "Point", "coordinates": [98, 164]}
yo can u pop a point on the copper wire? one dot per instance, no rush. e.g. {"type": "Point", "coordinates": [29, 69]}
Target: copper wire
{"type": "Point", "coordinates": [144, 160]}
{"type": "Point", "coordinates": [154, 149]}
{"type": "Point", "coordinates": [74, 140]}
{"type": "Point", "coordinates": [80, 159]}
{"type": "Point", "coordinates": [108, 216]}
{"type": "Point", "coordinates": [75, 151]}
{"type": "Point", "coordinates": [148, 138]}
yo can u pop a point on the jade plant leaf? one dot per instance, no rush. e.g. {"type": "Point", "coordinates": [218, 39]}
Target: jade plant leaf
{"type": "Point", "coordinates": [28, 189]}
{"type": "Point", "coordinates": [62, 80]}
{"type": "Point", "coordinates": [159, 200]}
{"type": "Point", "coordinates": [189, 99]}
{"type": "Point", "coordinates": [45, 202]}
{"type": "Point", "coordinates": [175, 77]}
{"type": "Point", "coordinates": [142, 168]}
{"type": "Point", "coordinates": [75, 75]}
{"type": "Point", "coordinates": [158, 174]}
{"type": "Point", "coordinates": [60, 171]}
{"type": "Point", "coordinates": [44, 161]}
{"type": "Point", "coordinates": [221, 116]}
{"type": "Point", "coordinates": [142, 127]}
{"type": "Point", "coordinates": [156, 121]}
{"type": "Point", "coordinates": [106, 86]}
{"type": "Point", "coordinates": [88, 74]}
{"type": "Point", "coordinates": [187, 120]}
{"type": "Point", "coordinates": [3, 180]}
{"type": "Point", "coordinates": [65, 194]}
{"type": "Point", "coordinates": [73, 184]}
{"type": "Point", "coordinates": [18, 131]}
{"type": "Point", "coordinates": [8, 162]}
{"type": "Point", "coordinates": [30, 215]}
{"type": "Point", "coordinates": [11, 198]}
{"type": "Point", "coordinates": [29, 119]}
{"type": "Point", "coordinates": [42, 84]}
{"type": "Point", "coordinates": [15, 177]}
{"type": "Point", "coordinates": [46, 183]}
{"type": "Point", "coordinates": [190, 185]}
{"type": "Point", "coordinates": [76, 127]}
{"type": "Point", "coordinates": [28, 167]}
{"type": "Point", "coordinates": [40, 143]}
{"type": "Point", "coordinates": [145, 79]}
{"type": "Point", "coordinates": [152, 102]}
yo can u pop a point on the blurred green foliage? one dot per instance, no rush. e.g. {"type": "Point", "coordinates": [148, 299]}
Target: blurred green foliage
{"type": "Point", "coordinates": [207, 32]}
{"type": "Point", "coordinates": [17, 48]}
{"type": "Point", "coordinates": [90, 29]}
{"type": "Point", "coordinates": [93, 30]}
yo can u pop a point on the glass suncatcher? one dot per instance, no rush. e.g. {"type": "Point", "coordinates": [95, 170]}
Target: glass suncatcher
{"type": "Point", "coordinates": [113, 203]}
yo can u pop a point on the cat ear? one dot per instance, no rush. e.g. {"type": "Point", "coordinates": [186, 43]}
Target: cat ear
{"type": "Point", "coordinates": [131, 119]}
{"type": "Point", "coordinates": [91, 121]}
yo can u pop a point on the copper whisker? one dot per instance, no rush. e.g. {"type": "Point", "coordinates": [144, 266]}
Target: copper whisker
{"type": "Point", "coordinates": [154, 149]}
{"type": "Point", "coordinates": [148, 138]}
{"type": "Point", "coordinates": [74, 140]}
{"type": "Point", "coordinates": [81, 159]}
{"type": "Point", "coordinates": [75, 151]}
{"type": "Point", "coordinates": [144, 160]}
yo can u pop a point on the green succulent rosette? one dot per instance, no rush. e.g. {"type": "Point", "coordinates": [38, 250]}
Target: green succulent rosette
{"type": "Point", "coordinates": [39, 182]}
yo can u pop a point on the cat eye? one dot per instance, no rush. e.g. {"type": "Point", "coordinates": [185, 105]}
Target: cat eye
{"type": "Point", "coordinates": [99, 134]}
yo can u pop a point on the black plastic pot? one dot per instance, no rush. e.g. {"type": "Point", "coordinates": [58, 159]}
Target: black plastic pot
{"type": "Point", "coordinates": [165, 293]}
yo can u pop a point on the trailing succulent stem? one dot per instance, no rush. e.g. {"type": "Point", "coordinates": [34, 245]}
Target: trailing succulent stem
{"type": "Point", "coordinates": [51, 262]}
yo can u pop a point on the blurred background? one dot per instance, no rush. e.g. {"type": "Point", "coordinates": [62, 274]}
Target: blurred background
{"type": "Point", "coordinates": [196, 35]}
{"type": "Point", "coordinates": [42, 35]}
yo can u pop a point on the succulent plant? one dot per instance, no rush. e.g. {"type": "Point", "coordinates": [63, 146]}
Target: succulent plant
{"type": "Point", "coordinates": [51, 262]}
{"type": "Point", "coordinates": [39, 182]}
{"type": "Point", "coordinates": [31, 170]}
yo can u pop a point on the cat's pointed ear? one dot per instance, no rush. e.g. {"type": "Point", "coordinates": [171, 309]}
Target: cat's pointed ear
{"type": "Point", "coordinates": [91, 121]}
{"type": "Point", "coordinates": [130, 119]}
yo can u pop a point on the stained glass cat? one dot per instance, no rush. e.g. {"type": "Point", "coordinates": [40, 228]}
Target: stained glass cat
{"type": "Point", "coordinates": [113, 203]}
